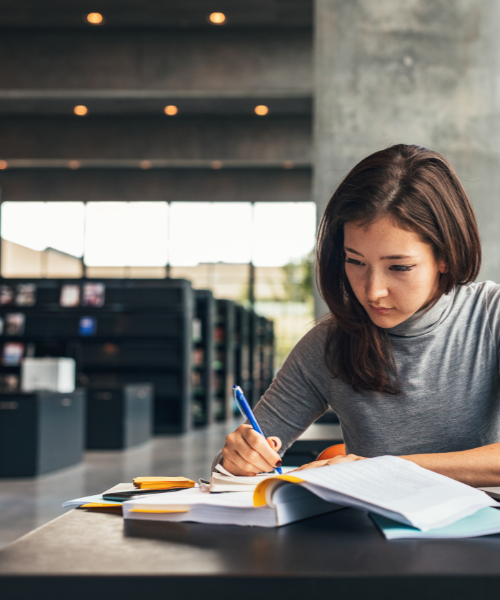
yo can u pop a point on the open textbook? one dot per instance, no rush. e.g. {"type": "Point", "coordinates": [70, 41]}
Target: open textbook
{"type": "Point", "coordinates": [388, 486]}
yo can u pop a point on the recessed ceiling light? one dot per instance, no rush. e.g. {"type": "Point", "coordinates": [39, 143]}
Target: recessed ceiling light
{"type": "Point", "coordinates": [261, 110]}
{"type": "Point", "coordinates": [3, 164]}
{"type": "Point", "coordinates": [217, 18]}
{"type": "Point", "coordinates": [171, 110]}
{"type": "Point", "coordinates": [216, 164]}
{"type": "Point", "coordinates": [288, 164]}
{"type": "Point", "coordinates": [80, 110]}
{"type": "Point", "coordinates": [74, 164]}
{"type": "Point", "coordinates": [145, 164]}
{"type": "Point", "coordinates": [95, 18]}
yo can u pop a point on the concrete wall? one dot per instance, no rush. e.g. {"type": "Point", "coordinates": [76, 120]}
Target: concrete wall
{"type": "Point", "coordinates": [422, 72]}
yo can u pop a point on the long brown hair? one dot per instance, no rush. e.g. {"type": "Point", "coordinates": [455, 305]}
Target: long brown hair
{"type": "Point", "coordinates": [419, 189]}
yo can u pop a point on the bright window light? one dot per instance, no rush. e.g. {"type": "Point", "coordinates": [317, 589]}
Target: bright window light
{"type": "Point", "coordinates": [40, 225]}
{"type": "Point", "coordinates": [119, 234]}
{"type": "Point", "coordinates": [283, 232]}
{"type": "Point", "coordinates": [139, 234]}
{"type": "Point", "coordinates": [210, 232]}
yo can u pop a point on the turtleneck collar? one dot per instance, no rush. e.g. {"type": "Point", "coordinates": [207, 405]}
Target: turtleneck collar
{"type": "Point", "coordinates": [424, 320]}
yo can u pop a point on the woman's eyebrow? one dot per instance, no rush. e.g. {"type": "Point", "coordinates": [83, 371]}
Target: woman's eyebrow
{"type": "Point", "coordinates": [391, 257]}
{"type": "Point", "coordinates": [353, 251]}
{"type": "Point", "coordinates": [396, 257]}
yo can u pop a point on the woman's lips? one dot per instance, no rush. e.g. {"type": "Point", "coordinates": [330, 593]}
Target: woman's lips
{"type": "Point", "coordinates": [379, 310]}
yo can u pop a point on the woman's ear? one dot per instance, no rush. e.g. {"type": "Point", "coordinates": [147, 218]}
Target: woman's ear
{"type": "Point", "coordinates": [442, 267]}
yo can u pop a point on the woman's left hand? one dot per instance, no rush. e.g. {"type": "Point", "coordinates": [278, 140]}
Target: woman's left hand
{"type": "Point", "coordinates": [336, 460]}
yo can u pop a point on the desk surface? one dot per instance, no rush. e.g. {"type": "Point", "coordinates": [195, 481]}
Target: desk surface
{"type": "Point", "coordinates": [83, 552]}
{"type": "Point", "coordinates": [326, 432]}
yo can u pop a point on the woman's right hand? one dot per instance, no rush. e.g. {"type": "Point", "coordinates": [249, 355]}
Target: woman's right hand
{"type": "Point", "coordinates": [247, 453]}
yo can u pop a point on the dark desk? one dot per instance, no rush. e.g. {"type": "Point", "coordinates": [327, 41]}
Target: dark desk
{"type": "Point", "coordinates": [87, 556]}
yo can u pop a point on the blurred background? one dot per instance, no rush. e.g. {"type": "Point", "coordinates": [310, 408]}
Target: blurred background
{"type": "Point", "coordinates": [163, 167]}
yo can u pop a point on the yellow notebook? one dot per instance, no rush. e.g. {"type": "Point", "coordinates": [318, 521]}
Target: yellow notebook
{"type": "Point", "coordinates": [162, 483]}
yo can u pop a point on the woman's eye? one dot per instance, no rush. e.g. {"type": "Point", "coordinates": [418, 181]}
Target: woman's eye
{"type": "Point", "coordinates": [401, 267]}
{"type": "Point", "coordinates": [353, 261]}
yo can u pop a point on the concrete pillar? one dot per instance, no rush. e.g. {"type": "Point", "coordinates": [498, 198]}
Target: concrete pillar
{"type": "Point", "coordinates": [421, 71]}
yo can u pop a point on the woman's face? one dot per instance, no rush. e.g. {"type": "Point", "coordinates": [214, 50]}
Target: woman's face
{"type": "Point", "coordinates": [392, 271]}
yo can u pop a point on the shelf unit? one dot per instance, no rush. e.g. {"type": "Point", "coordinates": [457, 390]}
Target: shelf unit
{"type": "Point", "coordinates": [242, 372]}
{"type": "Point", "coordinates": [223, 364]}
{"type": "Point", "coordinates": [261, 355]}
{"type": "Point", "coordinates": [142, 333]}
{"type": "Point", "coordinates": [203, 358]}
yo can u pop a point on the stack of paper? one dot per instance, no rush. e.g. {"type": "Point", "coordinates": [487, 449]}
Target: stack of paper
{"type": "Point", "coordinates": [162, 483]}
{"type": "Point", "coordinates": [392, 487]}
{"type": "Point", "coordinates": [98, 501]}
{"type": "Point", "coordinates": [227, 509]}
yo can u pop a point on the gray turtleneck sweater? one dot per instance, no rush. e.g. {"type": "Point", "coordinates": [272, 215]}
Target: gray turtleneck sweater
{"type": "Point", "coordinates": [448, 365]}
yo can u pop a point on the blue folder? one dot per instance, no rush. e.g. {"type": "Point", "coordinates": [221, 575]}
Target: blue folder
{"type": "Point", "coordinates": [485, 521]}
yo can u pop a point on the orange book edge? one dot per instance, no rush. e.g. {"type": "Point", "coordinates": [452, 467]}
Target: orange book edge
{"type": "Point", "coordinates": [99, 505]}
{"type": "Point", "coordinates": [161, 480]}
{"type": "Point", "coordinates": [259, 495]}
{"type": "Point", "coordinates": [157, 511]}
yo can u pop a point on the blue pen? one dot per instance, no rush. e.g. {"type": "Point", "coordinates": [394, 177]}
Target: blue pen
{"type": "Point", "coordinates": [246, 411]}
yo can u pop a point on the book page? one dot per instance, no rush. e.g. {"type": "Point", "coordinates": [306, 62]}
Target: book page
{"type": "Point", "coordinates": [424, 498]}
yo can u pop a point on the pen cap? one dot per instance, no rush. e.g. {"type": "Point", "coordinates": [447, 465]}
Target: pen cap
{"type": "Point", "coordinates": [237, 399]}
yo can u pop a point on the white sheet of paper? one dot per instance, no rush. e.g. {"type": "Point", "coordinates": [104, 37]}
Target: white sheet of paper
{"type": "Point", "coordinates": [392, 486]}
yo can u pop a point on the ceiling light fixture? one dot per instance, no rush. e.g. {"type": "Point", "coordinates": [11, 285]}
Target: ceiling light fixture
{"type": "Point", "coordinates": [80, 110]}
{"type": "Point", "coordinates": [3, 164]}
{"type": "Point", "coordinates": [171, 110]}
{"type": "Point", "coordinates": [74, 164]}
{"type": "Point", "coordinates": [145, 164]}
{"type": "Point", "coordinates": [216, 164]}
{"type": "Point", "coordinates": [95, 18]}
{"type": "Point", "coordinates": [217, 18]}
{"type": "Point", "coordinates": [261, 110]}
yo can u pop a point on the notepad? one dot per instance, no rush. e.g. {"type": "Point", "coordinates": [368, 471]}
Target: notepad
{"type": "Point", "coordinates": [224, 481]}
{"type": "Point", "coordinates": [483, 522]}
{"type": "Point", "coordinates": [388, 486]}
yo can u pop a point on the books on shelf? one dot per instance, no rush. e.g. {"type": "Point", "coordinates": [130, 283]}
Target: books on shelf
{"type": "Point", "coordinates": [388, 486]}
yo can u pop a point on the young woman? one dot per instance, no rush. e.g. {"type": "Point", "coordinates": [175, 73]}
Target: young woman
{"type": "Point", "coordinates": [409, 355]}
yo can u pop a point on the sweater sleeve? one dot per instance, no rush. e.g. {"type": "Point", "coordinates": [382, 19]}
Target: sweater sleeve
{"type": "Point", "coordinates": [493, 305]}
{"type": "Point", "coordinates": [300, 392]}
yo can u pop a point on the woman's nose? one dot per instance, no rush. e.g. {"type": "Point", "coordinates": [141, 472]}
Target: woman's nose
{"type": "Point", "coordinates": [376, 287]}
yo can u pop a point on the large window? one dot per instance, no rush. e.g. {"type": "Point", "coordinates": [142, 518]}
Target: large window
{"type": "Point", "coordinates": [42, 239]}
{"type": "Point", "coordinates": [213, 244]}
{"type": "Point", "coordinates": [126, 239]}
